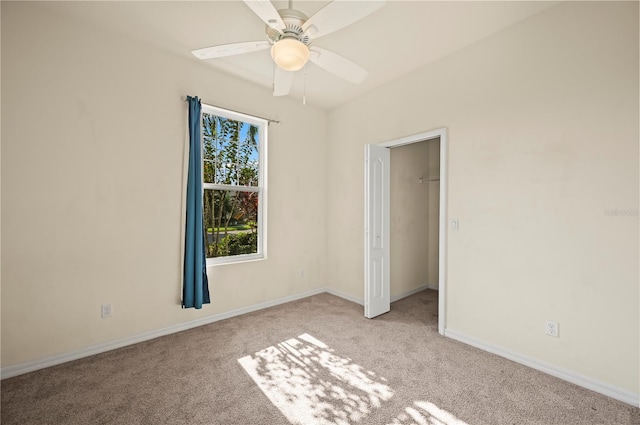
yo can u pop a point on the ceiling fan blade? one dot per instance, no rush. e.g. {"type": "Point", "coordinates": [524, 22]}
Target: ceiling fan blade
{"type": "Point", "coordinates": [267, 12]}
{"type": "Point", "coordinates": [338, 14]}
{"type": "Point", "coordinates": [282, 81]}
{"type": "Point", "coordinates": [232, 49]}
{"type": "Point", "coordinates": [337, 65]}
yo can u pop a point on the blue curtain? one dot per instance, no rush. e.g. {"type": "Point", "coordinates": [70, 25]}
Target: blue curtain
{"type": "Point", "coordinates": [195, 289]}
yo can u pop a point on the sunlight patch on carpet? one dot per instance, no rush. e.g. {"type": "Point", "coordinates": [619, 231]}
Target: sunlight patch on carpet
{"type": "Point", "coordinates": [425, 413]}
{"type": "Point", "coordinates": [311, 384]}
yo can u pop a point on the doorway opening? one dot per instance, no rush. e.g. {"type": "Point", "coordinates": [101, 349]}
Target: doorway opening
{"type": "Point", "coordinates": [430, 181]}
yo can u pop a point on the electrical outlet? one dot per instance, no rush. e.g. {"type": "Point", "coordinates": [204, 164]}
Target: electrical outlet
{"type": "Point", "coordinates": [105, 310]}
{"type": "Point", "coordinates": [551, 329]}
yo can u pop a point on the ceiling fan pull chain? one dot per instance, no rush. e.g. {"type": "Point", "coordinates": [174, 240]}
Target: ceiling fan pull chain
{"type": "Point", "coordinates": [273, 75]}
{"type": "Point", "coordinates": [304, 85]}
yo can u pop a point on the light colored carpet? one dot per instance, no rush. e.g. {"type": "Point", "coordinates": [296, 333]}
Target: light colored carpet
{"type": "Point", "coordinates": [313, 361]}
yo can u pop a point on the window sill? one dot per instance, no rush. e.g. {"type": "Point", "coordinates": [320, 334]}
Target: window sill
{"type": "Point", "coordinates": [236, 259]}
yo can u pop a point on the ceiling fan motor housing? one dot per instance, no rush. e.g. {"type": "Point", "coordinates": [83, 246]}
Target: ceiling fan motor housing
{"type": "Point", "coordinates": [293, 21]}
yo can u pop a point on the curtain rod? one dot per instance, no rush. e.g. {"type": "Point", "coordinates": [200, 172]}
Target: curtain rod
{"type": "Point", "coordinates": [268, 120]}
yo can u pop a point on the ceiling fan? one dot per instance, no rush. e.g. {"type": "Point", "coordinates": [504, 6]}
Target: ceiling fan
{"type": "Point", "coordinates": [290, 34]}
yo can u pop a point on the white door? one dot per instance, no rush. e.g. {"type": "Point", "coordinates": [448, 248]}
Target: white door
{"type": "Point", "coordinates": [376, 233]}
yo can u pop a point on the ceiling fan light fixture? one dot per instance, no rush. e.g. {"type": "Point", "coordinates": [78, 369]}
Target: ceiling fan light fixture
{"type": "Point", "coordinates": [290, 54]}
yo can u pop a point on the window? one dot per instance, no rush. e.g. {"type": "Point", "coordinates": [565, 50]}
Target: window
{"type": "Point", "coordinates": [234, 169]}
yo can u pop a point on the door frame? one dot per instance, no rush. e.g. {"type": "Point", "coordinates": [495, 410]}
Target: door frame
{"type": "Point", "coordinates": [442, 237]}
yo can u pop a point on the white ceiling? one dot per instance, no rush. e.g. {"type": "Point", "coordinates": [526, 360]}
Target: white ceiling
{"type": "Point", "coordinates": [395, 40]}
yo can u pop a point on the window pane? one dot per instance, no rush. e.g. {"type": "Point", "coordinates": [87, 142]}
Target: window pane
{"type": "Point", "coordinates": [248, 156]}
{"type": "Point", "coordinates": [208, 171]}
{"type": "Point", "coordinates": [231, 222]}
{"type": "Point", "coordinates": [209, 155]}
{"type": "Point", "coordinates": [231, 149]}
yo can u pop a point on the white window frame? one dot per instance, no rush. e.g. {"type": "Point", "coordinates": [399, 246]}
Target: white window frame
{"type": "Point", "coordinates": [261, 189]}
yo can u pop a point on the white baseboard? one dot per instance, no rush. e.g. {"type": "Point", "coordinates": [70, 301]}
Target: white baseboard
{"type": "Point", "coordinates": [361, 301]}
{"type": "Point", "coordinates": [583, 381]}
{"type": "Point", "coordinates": [30, 366]}
{"type": "Point", "coordinates": [345, 296]}
{"type": "Point", "coordinates": [567, 375]}
{"type": "Point", "coordinates": [434, 286]}
{"type": "Point", "coordinates": [409, 293]}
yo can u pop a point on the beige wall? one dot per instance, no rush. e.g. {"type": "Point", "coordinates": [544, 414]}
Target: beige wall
{"type": "Point", "coordinates": [414, 216]}
{"type": "Point", "coordinates": [543, 139]}
{"type": "Point", "coordinates": [92, 146]}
